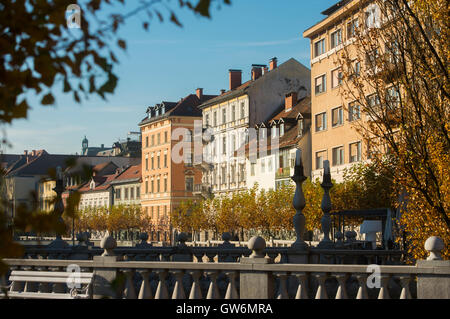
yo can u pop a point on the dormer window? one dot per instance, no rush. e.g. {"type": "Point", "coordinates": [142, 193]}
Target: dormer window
{"type": "Point", "coordinates": [300, 127]}
{"type": "Point", "coordinates": [157, 112]}
{"type": "Point", "coordinates": [92, 185]}
{"type": "Point", "coordinates": [281, 129]}
{"type": "Point", "coordinates": [274, 131]}
{"type": "Point", "coordinates": [163, 110]}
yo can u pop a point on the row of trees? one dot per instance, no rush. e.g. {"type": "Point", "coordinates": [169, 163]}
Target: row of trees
{"type": "Point", "coordinates": [271, 212]}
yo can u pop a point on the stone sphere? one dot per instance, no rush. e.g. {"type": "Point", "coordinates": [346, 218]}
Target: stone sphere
{"type": "Point", "coordinates": [434, 243]}
{"type": "Point", "coordinates": [226, 236]}
{"type": "Point", "coordinates": [338, 235]}
{"type": "Point", "coordinates": [143, 236]}
{"type": "Point", "coordinates": [108, 242]}
{"type": "Point", "coordinates": [256, 243]}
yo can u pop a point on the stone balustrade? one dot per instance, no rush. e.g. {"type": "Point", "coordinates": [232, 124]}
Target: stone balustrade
{"type": "Point", "coordinates": [254, 277]}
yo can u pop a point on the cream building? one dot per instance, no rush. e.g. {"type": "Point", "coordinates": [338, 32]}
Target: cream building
{"type": "Point", "coordinates": [334, 137]}
{"type": "Point", "coordinates": [228, 118]}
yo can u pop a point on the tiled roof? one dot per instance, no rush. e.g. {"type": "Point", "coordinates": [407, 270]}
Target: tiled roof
{"type": "Point", "coordinates": [187, 106]}
{"type": "Point", "coordinates": [228, 94]}
{"type": "Point", "coordinates": [132, 173]}
{"type": "Point", "coordinates": [101, 183]}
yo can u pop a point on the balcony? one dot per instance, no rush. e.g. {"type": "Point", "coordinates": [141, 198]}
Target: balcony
{"type": "Point", "coordinates": [202, 189]}
{"type": "Point", "coordinates": [284, 172]}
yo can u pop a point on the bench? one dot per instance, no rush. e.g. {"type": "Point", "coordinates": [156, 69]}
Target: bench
{"type": "Point", "coordinates": [38, 285]}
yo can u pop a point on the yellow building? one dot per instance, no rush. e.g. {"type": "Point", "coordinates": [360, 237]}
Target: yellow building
{"type": "Point", "coordinates": [334, 137]}
{"type": "Point", "coordinates": [167, 180]}
{"type": "Point", "coordinates": [46, 195]}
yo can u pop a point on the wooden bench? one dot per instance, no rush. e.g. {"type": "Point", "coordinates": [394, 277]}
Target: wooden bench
{"type": "Point", "coordinates": [38, 285]}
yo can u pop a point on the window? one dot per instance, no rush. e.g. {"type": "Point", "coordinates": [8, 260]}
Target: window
{"type": "Point", "coordinates": [233, 173]}
{"type": "Point", "coordinates": [224, 145]}
{"type": "Point", "coordinates": [159, 138]}
{"type": "Point", "coordinates": [118, 197]}
{"type": "Point", "coordinates": [224, 174]}
{"type": "Point", "coordinates": [336, 78]}
{"type": "Point", "coordinates": [158, 186]}
{"type": "Point", "coordinates": [372, 16]}
{"type": "Point", "coordinates": [132, 193]}
{"type": "Point", "coordinates": [393, 51]}
{"type": "Point", "coordinates": [373, 101]}
{"type": "Point", "coordinates": [357, 68]}
{"type": "Point", "coordinates": [242, 173]}
{"type": "Point", "coordinates": [165, 185]}
{"type": "Point", "coordinates": [166, 139]}
{"type": "Point", "coordinates": [153, 140]}
{"type": "Point", "coordinates": [215, 118]}
{"type": "Point", "coordinates": [242, 110]}
{"type": "Point", "coordinates": [153, 162]}
{"type": "Point", "coordinates": [319, 48]}
{"type": "Point", "coordinates": [158, 162]}
{"type": "Point", "coordinates": [233, 113]}
{"type": "Point", "coordinates": [263, 165]}
{"type": "Point", "coordinates": [274, 131]}
{"type": "Point", "coordinates": [355, 152]}
{"type": "Point", "coordinates": [207, 119]}
{"type": "Point", "coordinates": [337, 117]}
{"type": "Point", "coordinates": [146, 141]}
{"type": "Point", "coordinates": [336, 38]}
{"type": "Point", "coordinates": [321, 122]}
{"type": "Point", "coordinates": [352, 26]}
{"type": "Point", "coordinates": [320, 157]}
{"type": "Point", "coordinates": [300, 127]}
{"type": "Point", "coordinates": [224, 116]}
{"type": "Point", "coordinates": [392, 98]}
{"type": "Point", "coordinates": [371, 60]}
{"type": "Point", "coordinates": [320, 84]}
{"type": "Point", "coordinates": [354, 111]}
{"type": "Point", "coordinates": [138, 192]}
{"type": "Point", "coordinates": [153, 186]}
{"type": "Point", "coordinates": [252, 169]}
{"type": "Point", "coordinates": [165, 160]}
{"type": "Point", "coordinates": [146, 163]}
{"type": "Point", "coordinates": [338, 156]}
{"type": "Point", "coordinates": [269, 165]}
{"type": "Point", "coordinates": [146, 187]}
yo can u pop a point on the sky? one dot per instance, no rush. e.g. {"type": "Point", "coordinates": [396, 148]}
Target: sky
{"type": "Point", "coordinates": [168, 63]}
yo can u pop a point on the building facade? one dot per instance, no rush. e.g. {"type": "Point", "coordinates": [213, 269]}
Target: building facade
{"type": "Point", "coordinates": [168, 174]}
{"type": "Point", "coordinates": [334, 137]}
{"type": "Point", "coordinates": [228, 117]}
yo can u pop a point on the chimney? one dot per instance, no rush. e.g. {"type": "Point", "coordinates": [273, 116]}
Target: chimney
{"type": "Point", "coordinates": [199, 92]}
{"type": "Point", "coordinates": [25, 152]}
{"type": "Point", "coordinates": [222, 91]}
{"type": "Point", "coordinates": [33, 153]}
{"type": "Point", "coordinates": [103, 145]}
{"type": "Point", "coordinates": [235, 78]}
{"type": "Point", "coordinates": [290, 101]}
{"type": "Point", "coordinates": [256, 71]}
{"type": "Point", "coordinates": [273, 64]}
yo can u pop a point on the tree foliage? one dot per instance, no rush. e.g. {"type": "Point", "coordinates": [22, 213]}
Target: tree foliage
{"type": "Point", "coordinates": [403, 90]}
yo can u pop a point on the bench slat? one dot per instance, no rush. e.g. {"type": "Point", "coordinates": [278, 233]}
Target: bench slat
{"type": "Point", "coordinates": [50, 274]}
{"type": "Point", "coordinates": [47, 279]}
{"type": "Point", "coordinates": [39, 295]}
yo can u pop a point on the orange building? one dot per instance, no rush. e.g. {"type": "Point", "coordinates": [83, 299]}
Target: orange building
{"type": "Point", "coordinates": [167, 179]}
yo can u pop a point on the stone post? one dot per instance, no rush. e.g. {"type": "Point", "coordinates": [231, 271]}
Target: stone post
{"type": "Point", "coordinates": [104, 277]}
{"type": "Point", "coordinates": [326, 242]}
{"type": "Point", "coordinates": [435, 285]}
{"type": "Point", "coordinates": [58, 209]}
{"type": "Point", "coordinates": [256, 284]}
{"type": "Point", "coordinates": [299, 203]}
{"type": "Point", "coordinates": [182, 252]}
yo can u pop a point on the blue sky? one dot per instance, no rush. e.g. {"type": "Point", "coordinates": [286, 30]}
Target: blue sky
{"type": "Point", "coordinates": [168, 63]}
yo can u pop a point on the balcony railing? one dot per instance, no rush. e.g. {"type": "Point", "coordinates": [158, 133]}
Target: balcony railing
{"type": "Point", "coordinates": [284, 172]}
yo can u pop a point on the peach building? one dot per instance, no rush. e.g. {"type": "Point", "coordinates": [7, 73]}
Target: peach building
{"type": "Point", "coordinates": [167, 179]}
{"type": "Point", "coordinates": [334, 137]}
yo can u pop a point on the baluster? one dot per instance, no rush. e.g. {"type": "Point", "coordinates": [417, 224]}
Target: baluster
{"type": "Point", "coordinates": [302, 290]}
{"type": "Point", "coordinates": [384, 290]}
{"type": "Point", "coordinates": [161, 291]}
{"type": "Point", "coordinates": [129, 291]}
{"type": "Point", "coordinates": [232, 292]}
{"type": "Point", "coordinates": [178, 290]}
{"type": "Point", "coordinates": [146, 291]}
{"type": "Point", "coordinates": [196, 292]}
{"type": "Point", "coordinates": [321, 289]}
{"type": "Point", "coordinates": [404, 282]}
{"type": "Point", "coordinates": [213, 291]}
{"type": "Point", "coordinates": [282, 289]}
{"type": "Point", "coordinates": [211, 257]}
{"type": "Point", "coordinates": [362, 290]}
{"type": "Point", "coordinates": [342, 291]}
{"type": "Point", "coordinates": [199, 257]}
